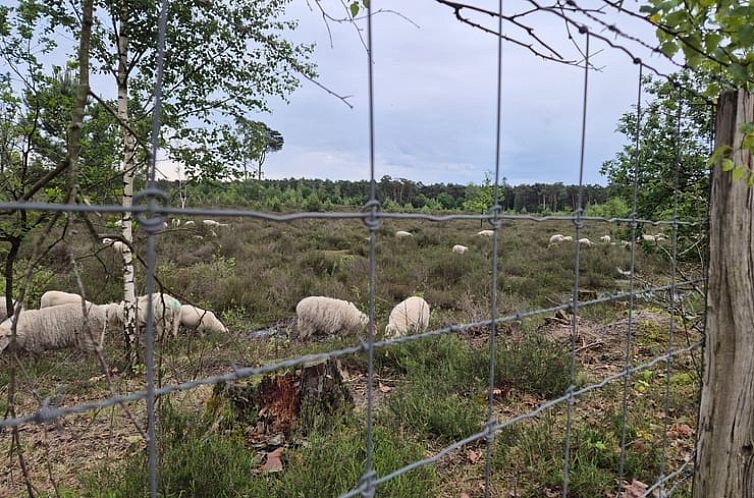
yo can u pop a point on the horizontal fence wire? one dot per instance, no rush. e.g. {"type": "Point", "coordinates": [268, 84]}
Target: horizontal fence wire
{"type": "Point", "coordinates": [346, 215]}
{"type": "Point", "coordinates": [47, 414]}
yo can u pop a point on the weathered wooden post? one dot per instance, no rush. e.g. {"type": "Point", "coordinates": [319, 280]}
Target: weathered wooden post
{"type": "Point", "coordinates": [725, 458]}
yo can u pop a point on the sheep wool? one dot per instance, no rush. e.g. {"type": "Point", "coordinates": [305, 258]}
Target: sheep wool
{"type": "Point", "coordinates": [326, 315]}
{"type": "Point", "coordinates": [605, 238]}
{"type": "Point", "coordinates": [568, 238]}
{"type": "Point", "coordinates": [202, 320]}
{"type": "Point", "coordinates": [56, 298]}
{"type": "Point", "coordinates": [459, 249]}
{"type": "Point", "coordinates": [411, 315]}
{"type": "Point", "coordinates": [585, 242]}
{"type": "Point", "coordinates": [167, 312]}
{"type": "Point", "coordinates": [402, 234]}
{"type": "Point", "coordinates": [486, 233]}
{"type": "Point", "coordinates": [60, 327]}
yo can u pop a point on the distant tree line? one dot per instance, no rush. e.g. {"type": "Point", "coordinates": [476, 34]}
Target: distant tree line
{"type": "Point", "coordinates": [394, 193]}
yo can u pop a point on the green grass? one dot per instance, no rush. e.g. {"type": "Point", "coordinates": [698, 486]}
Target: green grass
{"type": "Point", "coordinates": [201, 464]}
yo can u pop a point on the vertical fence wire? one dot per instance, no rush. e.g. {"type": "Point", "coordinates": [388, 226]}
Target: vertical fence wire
{"type": "Point", "coordinates": [151, 227]}
{"type": "Point", "coordinates": [673, 297]}
{"type": "Point", "coordinates": [495, 235]}
{"type": "Point", "coordinates": [632, 281]}
{"type": "Point", "coordinates": [575, 302]}
{"type": "Point", "coordinates": [368, 487]}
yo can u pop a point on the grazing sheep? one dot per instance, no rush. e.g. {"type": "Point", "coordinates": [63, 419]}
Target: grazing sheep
{"type": "Point", "coordinates": [411, 315]}
{"type": "Point", "coordinates": [189, 222]}
{"type": "Point", "coordinates": [623, 272]}
{"type": "Point", "coordinates": [175, 222]}
{"type": "Point", "coordinates": [401, 234]}
{"type": "Point", "coordinates": [648, 238]}
{"type": "Point", "coordinates": [213, 223]}
{"type": "Point", "coordinates": [197, 318]}
{"type": "Point", "coordinates": [198, 237]}
{"type": "Point", "coordinates": [486, 233]}
{"type": "Point", "coordinates": [568, 238]}
{"type": "Point", "coordinates": [585, 242]}
{"type": "Point", "coordinates": [167, 312]}
{"type": "Point", "coordinates": [326, 315]}
{"type": "Point", "coordinates": [606, 239]}
{"type": "Point", "coordinates": [117, 245]}
{"type": "Point", "coordinates": [56, 298]}
{"type": "Point", "coordinates": [459, 249]}
{"type": "Point", "coordinates": [556, 238]}
{"type": "Point", "coordinates": [625, 243]}
{"type": "Point", "coordinates": [60, 327]}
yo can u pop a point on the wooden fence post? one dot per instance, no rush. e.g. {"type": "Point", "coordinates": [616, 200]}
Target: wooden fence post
{"type": "Point", "coordinates": [725, 449]}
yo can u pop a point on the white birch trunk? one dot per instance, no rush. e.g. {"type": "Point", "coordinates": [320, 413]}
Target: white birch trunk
{"type": "Point", "coordinates": [129, 163]}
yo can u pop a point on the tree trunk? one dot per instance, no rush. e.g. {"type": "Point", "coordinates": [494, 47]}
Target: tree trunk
{"type": "Point", "coordinates": [129, 173]}
{"type": "Point", "coordinates": [725, 460]}
{"type": "Point", "coordinates": [10, 261]}
{"type": "Point", "coordinates": [308, 399]}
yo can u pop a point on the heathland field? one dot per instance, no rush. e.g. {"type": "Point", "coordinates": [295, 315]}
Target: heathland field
{"type": "Point", "coordinates": [429, 393]}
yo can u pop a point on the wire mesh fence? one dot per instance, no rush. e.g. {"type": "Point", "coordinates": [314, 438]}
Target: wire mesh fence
{"type": "Point", "coordinates": [151, 207]}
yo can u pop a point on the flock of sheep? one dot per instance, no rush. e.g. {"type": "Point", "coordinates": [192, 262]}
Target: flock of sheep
{"type": "Point", "coordinates": [67, 320]}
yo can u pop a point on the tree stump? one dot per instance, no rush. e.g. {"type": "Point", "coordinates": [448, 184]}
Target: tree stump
{"type": "Point", "coordinates": [308, 399]}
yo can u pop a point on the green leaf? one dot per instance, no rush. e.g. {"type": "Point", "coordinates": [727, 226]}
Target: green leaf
{"type": "Point", "coordinates": [745, 34]}
{"type": "Point", "coordinates": [717, 154]}
{"type": "Point", "coordinates": [366, 4]}
{"type": "Point", "coordinates": [738, 173]}
{"type": "Point", "coordinates": [728, 164]}
{"type": "Point", "coordinates": [354, 9]}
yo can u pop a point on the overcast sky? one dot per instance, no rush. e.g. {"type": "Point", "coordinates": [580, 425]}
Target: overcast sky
{"type": "Point", "coordinates": [435, 90]}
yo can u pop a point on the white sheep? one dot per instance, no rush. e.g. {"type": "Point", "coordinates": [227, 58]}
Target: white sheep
{"type": "Point", "coordinates": [555, 239]}
{"type": "Point", "coordinates": [166, 312]}
{"type": "Point", "coordinates": [402, 234]}
{"type": "Point", "coordinates": [411, 315]}
{"type": "Point", "coordinates": [189, 222]}
{"type": "Point", "coordinates": [585, 242]}
{"type": "Point", "coordinates": [175, 222]}
{"type": "Point", "coordinates": [197, 318]}
{"type": "Point", "coordinates": [326, 315]}
{"type": "Point", "coordinates": [117, 245]}
{"type": "Point", "coordinates": [568, 238]}
{"type": "Point", "coordinates": [60, 327]}
{"type": "Point", "coordinates": [459, 249]}
{"type": "Point", "coordinates": [606, 239]}
{"type": "Point", "coordinates": [213, 223]}
{"type": "Point", "coordinates": [56, 298]}
{"type": "Point", "coordinates": [625, 273]}
{"type": "Point", "coordinates": [486, 233]}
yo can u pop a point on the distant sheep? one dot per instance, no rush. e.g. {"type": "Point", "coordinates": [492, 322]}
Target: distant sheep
{"type": "Point", "coordinates": [56, 298]}
{"type": "Point", "coordinates": [213, 223]}
{"type": "Point", "coordinates": [606, 239]}
{"type": "Point", "coordinates": [402, 234]}
{"type": "Point", "coordinates": [568, 238]}
{"type": "Point", "coordinates": [556, 238]}
{"type": "Point", "coordinates": [175, 222]}
{"type": "Point", "coordinates": [328, 316]}
{"type": "Point", "coordinates": [117, 245]}
{"type": "Point", "coordinates": [411, 315]}
{"type": "Point", "coordinates": [459, 249]}
{"type": "Point", "coordinates": [585, 242]}
{"type": "Point", "coordinates": [486, 233]}
{"type": "Point", "coordinates": [60, 327]}
{"type": "Point", "coordinates": [189, 222]}
{"type": "Point", "coordinates": [653, 238]}
{"type": "Point", "coordinates": [203, 321]}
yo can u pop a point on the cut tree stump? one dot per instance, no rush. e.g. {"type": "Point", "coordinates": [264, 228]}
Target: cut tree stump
{"type": "Point", "coordinates": [307, 399]}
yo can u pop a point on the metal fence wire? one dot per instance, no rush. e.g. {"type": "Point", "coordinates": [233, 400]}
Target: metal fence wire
{"type": "Point", "coordinates": [150, 207]}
